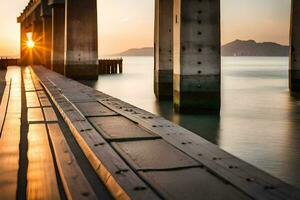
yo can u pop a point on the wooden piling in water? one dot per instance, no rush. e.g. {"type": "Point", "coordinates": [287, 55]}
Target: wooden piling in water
{"type": "Point", "coordinates": [5, 62]}
{"type": "Point", "coordinates": [110, 66]}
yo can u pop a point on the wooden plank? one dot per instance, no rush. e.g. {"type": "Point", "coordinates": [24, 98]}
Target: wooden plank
{"type": "Point", "coordinates": [32, 100]}
{"type": "Point", "coordinates": [120, 128]}
{"type": "Point", "coordinates": [41, 177]}
{"type": "Point", "coordinates": [75, 184]}
{"type": "Point", "coordinates": [45, 102]}
{"type": "Point", "coordinates": [10, 139]}
{"type": "Point", "coordinates": [50, 114]}
{"type": "Point", "coordinates": [153, 155]}
{"type": "Point", "coordinates": [35, 115]}
{"type": "Point", "coordinates": [94, 109]}
{"type": "Point", "coordinates": [9, 158]}
{"type": "Point", "coordinates": [4, 105]}
{"type": "Point", "coordinates": [195, 183]}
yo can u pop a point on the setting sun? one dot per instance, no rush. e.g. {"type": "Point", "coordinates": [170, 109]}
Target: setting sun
{"type": "Point", "coordinates": [30, 44]}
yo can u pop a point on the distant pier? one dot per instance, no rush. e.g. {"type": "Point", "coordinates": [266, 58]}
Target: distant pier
{"type": "Point", "coordinates": [110, 66]}
{"type": "Point", "coordinates": [5, 62]}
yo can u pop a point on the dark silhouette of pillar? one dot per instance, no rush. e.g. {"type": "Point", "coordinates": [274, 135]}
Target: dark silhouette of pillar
{"type": "Point", "coordinates": [24, 52]}
{"type": "Point", "coordinates": [163, 66]}
{"type": "Point", "coordinates": [81, 50]}
{"type": "Point", "coordinates": [58, 37]}
{"type": "Point", "coordinates": [37, 36]}
{"type": "Point", "coordinates": [294, 66]}
{"type": "Point", "coordinates": [197, 59]}
{"type": "Point", "coordinates": [47, 40]}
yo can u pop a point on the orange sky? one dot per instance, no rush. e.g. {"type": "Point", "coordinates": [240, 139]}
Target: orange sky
{"type": "Point", "coordinates": [125, 24]}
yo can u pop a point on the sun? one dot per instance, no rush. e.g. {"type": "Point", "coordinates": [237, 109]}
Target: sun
{"type": "Point", "coordinates": [30, 44]}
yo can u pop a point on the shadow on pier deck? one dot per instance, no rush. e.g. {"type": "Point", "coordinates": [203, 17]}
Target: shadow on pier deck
{"type": "Point", "coordinates": [61, 139]}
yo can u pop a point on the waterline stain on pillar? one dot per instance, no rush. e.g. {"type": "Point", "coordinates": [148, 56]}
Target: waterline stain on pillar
{"type": "Point", "coordinates": [294, 66]}
{"type": "Point", "coordinates": [163, 69]}
{"type": "Point", "coordinates": [81, 50]}
{"type": "Point", "coordinates": [58, 36]}
{"type": "Point", "coordinates": [197, 60]}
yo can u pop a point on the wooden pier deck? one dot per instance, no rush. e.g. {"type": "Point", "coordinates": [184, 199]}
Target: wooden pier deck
{"type": "Point", "coordinates": [61, 139]}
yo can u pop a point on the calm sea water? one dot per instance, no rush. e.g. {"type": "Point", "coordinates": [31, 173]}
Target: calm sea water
{"type": "Point", "coordinates": [259, 121]}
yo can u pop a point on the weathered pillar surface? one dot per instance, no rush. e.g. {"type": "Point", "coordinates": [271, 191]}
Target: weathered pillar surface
{"type": "Point", "coordinates": [294, 66]}
{"type": "Point", "coordinates": [24, 54]}
{"type": "Point", "coordinates": [58, 38]}
{"type": "Point", "coordinates": [197, 59]}
{"type": "Point", "coordinates": [37, 36]}
{"type": "Point", "coordinates": [163, 66]}
{"type": "Point", "coordinates": [47, 40]}
{"type": "Point", "coordinates": [81, 50]}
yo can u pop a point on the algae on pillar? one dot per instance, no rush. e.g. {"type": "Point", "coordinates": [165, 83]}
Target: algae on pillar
{"type": "Point", "coordinates": [197, 59]}
{"type": "Point", "coordinates": [163, 44]}
{"type": "Point", "coordinates": [58, 36]}
{"type": "Point", "coordinates": [81, 50]}
{"type": "Point", "coordinates": [294, 66]}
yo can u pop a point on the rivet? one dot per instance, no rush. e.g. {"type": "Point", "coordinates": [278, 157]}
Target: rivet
{"type": "Point", "coordinates": [138, 188]}
{"type": "Point", "coordinates": [85, 194]}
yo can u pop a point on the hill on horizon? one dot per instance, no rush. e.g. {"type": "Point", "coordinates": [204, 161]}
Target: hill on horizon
{"type": "Point", "coordinates": [235, 48]}
{"type": "Point", "coordinates": [252, 48]}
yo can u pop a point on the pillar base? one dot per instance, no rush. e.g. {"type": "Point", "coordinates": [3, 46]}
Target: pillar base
{"type": "Point", "coordinates": [163, 84]}
{"type": "Point", "coordinates": [294, 76]}
{"type": "Point", "coordinates": [197, 94]}
{"type": "Point", "coordinates": [82, 72]}
{"type": "Point", "coordinates": [58, 67]}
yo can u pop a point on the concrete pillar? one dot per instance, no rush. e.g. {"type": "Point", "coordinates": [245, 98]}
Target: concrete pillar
{"type": "Point", "coordinates": [58, 38]}
{"type": "Point", "coordinates": [37, 37]}
{"type": "Point", "coordinates": [197, 59]}
{"type": "Point", "coordinates": [47, 40]}
{"type": "Point", "coordinates": [24, 53]}
{"type": "Point", "coordinates": [294, 66]}
{"type": "Point", "coordinates": [163, 45]}
{"type": "Point", "coordinates": [81, 50]}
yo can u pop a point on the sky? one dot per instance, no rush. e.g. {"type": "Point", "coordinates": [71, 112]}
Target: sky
{"type": "Point", "coordinates": [124, 24]}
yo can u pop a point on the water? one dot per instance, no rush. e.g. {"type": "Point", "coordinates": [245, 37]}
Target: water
{"type": "Point", "coordinates": [259, 121]}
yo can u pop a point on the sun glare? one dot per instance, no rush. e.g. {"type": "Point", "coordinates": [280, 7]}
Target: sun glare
{"type": "Point", "coordinates": [30, 44]}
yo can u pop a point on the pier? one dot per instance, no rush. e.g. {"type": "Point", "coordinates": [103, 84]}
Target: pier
{"type": "Point", "coordinates": [60, 138]}
{"type": "Point", "coordinates": [5, 62]}
{"type": "Point", "coordinates": [110, 66]}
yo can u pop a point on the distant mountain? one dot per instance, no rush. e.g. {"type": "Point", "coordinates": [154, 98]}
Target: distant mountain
{"type": "Point", "coordinates": [146, 51]}
{"type": "Point", "coordinates": [252, 48]}
{"type": "Point", "coordinates": [235, 48]}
